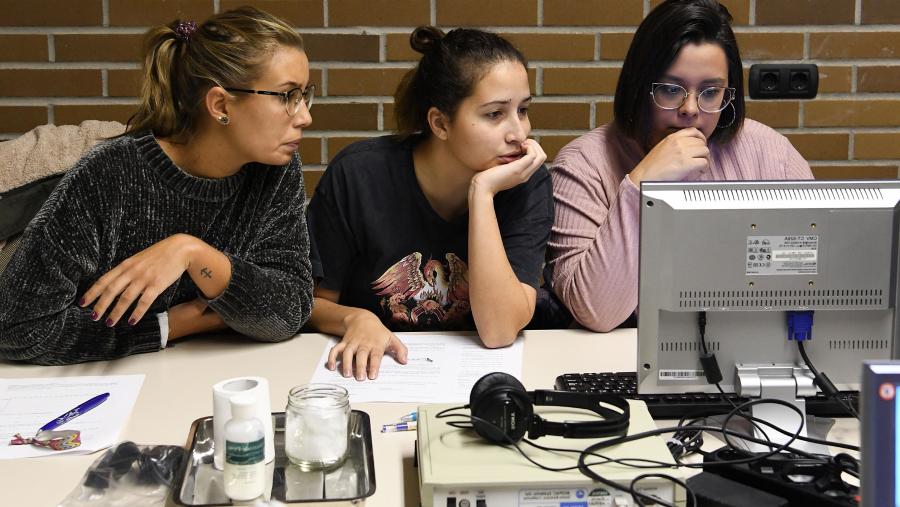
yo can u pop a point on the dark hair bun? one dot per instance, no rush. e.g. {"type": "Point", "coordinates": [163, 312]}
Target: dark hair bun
{"type": "Point", "coordinates": [723, 11]}
{"type": "Point", "coordinates": [425, 39]}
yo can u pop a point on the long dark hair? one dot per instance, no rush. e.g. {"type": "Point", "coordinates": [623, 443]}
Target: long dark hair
{"type": "Point", "coordinates": [659, 38]}
{"type": "Point", "coordinates": [450, 67]}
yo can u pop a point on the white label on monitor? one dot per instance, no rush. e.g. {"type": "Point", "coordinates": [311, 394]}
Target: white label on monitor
{"type": "Point", "coordinates": [680, 374]}
{"type": "Point", "coordinates": [782, 255]}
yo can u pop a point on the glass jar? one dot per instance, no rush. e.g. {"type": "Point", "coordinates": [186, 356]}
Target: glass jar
{"type": "Point", "coordinates": [317, 426]}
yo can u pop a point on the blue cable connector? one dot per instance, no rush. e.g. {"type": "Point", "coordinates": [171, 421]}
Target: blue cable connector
{"type": "Point", "coordinates": [800, 325]}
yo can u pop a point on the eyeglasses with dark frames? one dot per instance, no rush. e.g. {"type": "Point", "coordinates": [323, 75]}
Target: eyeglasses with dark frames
{"type": "Point", "coordinates": [712, 99]}
{"type": "Point", "coordinates": [291, 98]}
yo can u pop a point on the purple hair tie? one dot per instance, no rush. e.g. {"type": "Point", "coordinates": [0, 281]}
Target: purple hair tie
{"type": "Point", "coordinates": [184, 30]}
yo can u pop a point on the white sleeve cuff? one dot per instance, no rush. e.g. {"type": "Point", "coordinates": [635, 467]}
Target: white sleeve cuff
{"type": "Point", "coordinates": [163, 329]}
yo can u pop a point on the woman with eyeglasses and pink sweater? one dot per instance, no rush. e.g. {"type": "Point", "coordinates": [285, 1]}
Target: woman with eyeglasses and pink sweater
{"type": "Point", "coordinates": [678, 116]}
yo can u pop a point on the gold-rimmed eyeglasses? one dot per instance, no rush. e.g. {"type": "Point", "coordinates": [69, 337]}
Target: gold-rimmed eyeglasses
{"type": "Point", "coordinates": [672, 96]}
{"type": "Point", "coordinates": [291, 98]}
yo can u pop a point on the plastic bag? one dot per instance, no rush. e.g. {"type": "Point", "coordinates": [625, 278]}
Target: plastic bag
{"type": "Point", "coordinates": [129, 474]}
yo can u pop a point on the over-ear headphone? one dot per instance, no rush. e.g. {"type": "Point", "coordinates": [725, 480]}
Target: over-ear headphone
{"type": "Point", "coordinates": [503, 411]}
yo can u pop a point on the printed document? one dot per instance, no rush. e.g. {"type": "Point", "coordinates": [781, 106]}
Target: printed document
{"type": "Point", "coordinates": [27, 404]}
{"type": "Point", "coordinates": [439, 369]}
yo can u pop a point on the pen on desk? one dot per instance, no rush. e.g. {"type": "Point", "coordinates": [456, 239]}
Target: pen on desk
{"type": "Point", "coordinates": [75, 412]}
{"type": "Point", "coordinates": [391, 428]}
{"type": "Point", "coordinates": [412, 416]}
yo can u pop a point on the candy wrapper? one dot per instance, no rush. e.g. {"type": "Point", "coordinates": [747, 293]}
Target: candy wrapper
{"type": "Point", "coordinates": [56, 440]}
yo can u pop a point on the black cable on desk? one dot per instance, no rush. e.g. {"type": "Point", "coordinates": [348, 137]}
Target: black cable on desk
{"type": "Point", "coordinates": [800, 329]}
{"type": "Point", "coordinates": [708, 360]}
{"type": "Point", "coordinates": [591, 451]}
{"type": "Point", "coordinates": [825, 383]}
{"type": "Point", "coordinates": [713, 373]}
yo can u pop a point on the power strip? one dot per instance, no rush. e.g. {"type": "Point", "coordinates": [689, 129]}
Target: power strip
{"type": "Point", "coordinates": [802, 482]}
{"type": "Point", "coordinates": [713, 490]}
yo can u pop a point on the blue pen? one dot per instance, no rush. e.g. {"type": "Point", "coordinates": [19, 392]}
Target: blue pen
{"type": "Point", "coordinates": [75, 412]}
{"type": "Point", "coordinates": [412, 416]}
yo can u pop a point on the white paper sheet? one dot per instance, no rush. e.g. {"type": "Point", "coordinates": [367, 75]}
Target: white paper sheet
{"type": "Point", "coordinates": [440, 369]}
{"type": "Point", "coordinates": [29, 403]}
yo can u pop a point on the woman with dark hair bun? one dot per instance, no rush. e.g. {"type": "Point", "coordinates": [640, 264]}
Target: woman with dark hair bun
{"type": "Point", "coordinates": [444, 225]}
{"type": "Point", "coordinates": [678, 116]}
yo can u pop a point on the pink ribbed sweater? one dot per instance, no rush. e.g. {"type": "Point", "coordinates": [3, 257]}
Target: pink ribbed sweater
{"type": "Point", "coordinates": [593, 248]}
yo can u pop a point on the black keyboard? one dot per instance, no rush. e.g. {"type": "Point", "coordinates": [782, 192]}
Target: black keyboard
{"type": "Point", "coordinates": [674, 406]}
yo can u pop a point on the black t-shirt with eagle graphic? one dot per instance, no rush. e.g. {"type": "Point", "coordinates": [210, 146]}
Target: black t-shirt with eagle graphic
{"type": "Point", "coordinates": [377, 240]}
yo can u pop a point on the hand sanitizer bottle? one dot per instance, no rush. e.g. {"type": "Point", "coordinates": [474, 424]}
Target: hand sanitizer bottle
{"type": "Point", "coordinates": [245, 472]}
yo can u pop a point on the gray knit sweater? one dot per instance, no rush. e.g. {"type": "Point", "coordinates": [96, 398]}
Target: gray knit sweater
{"type": "Point", "coordinates": [122, 197]}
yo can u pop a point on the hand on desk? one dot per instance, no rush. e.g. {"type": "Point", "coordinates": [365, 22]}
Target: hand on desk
{"type": "Point", "coordinates": [364, 344]}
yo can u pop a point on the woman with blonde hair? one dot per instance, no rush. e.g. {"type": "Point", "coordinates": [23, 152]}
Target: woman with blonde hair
{"type": "Point", "coordinates": [192, 221]}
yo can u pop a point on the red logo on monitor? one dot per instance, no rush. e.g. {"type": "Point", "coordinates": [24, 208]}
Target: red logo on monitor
{"type": "Point", "coordinates": [886, 391]}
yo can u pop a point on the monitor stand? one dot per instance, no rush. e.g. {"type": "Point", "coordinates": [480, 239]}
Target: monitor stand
{"type": "Point", "coordinates": [785, 382]}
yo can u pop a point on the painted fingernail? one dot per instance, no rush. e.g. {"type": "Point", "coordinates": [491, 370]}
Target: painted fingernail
{"type": "Point", "coordinates": [109, 322]}
{"type": "Point", "coordinates": [94, 316]}
{"type": "Point", "coordinates": [132, 321]}
{"type": "Point", "coordinates": [81, 302]}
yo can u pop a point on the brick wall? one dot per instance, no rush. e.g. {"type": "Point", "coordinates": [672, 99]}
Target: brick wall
{"type": "Point", "coordinates": [64, 61]}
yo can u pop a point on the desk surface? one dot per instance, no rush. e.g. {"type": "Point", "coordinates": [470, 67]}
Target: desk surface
{"type": "Point", "coordinates": [177, 390]}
